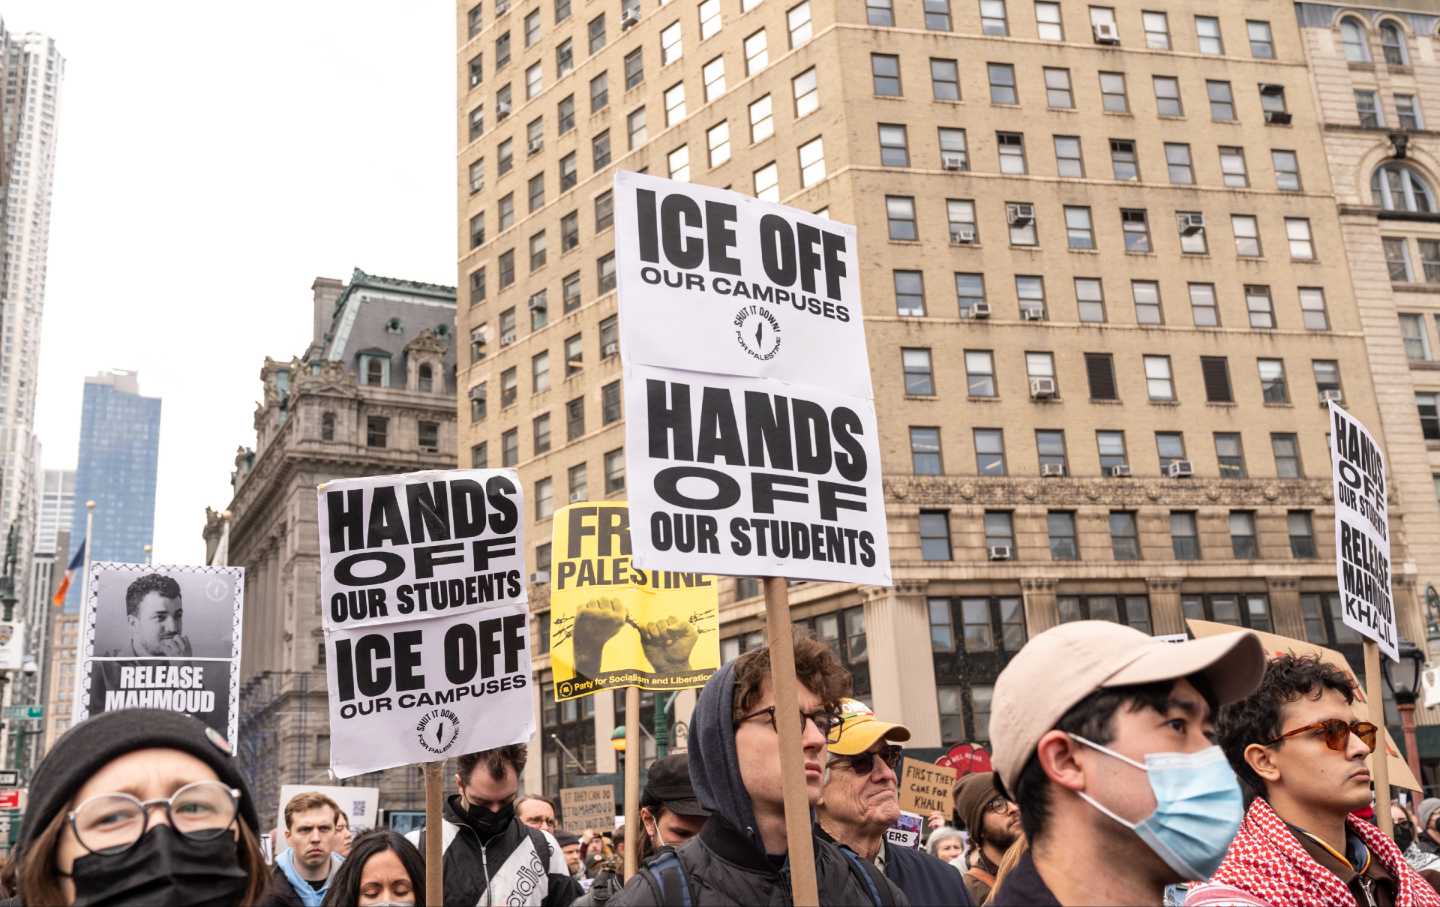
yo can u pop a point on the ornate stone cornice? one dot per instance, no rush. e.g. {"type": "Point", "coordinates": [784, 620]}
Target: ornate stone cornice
{"type": "Point", "coordinates": [1020, 491]}
{"type": "Point", "coordinates": [1163, 583]}
{"type": "Point", "coordinates": [1037, 584]}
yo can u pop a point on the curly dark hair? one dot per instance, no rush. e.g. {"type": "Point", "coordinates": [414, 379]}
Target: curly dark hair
{"type": "Point", "coordinates": [150, 582]}
{"type": "Point", "coordinates": [816, 665]}
{"type": "Point", "coordinates": [514, 755]}
{"type": "Point", "coordinates": [1259, 717]}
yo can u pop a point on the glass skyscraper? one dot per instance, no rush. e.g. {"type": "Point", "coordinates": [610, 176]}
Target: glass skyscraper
{"type": "Point", "coordinates": [119, 450]}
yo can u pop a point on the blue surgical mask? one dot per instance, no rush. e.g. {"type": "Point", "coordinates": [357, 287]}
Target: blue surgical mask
{"type": "Point", "coordinates": [1198, 808]}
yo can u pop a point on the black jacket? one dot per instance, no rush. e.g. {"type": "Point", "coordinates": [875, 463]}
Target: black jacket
{"type": "Point", "coordinates": [280, 893]}
{"type": "Point", "coordinates": [512, 868]}
{"type": "Point", "coordinates": [926, 880]}
{"type": "Point", "coordinates": [725, 868]}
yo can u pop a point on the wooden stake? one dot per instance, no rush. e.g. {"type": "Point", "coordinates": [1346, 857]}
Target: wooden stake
{"type": "Point", "coordinates": [633, 757]}
{"type": "Point", "coordinates": [434, 833]}
{"type": "Point", "coordinates": [1380, 760]}
{"type": "Point", "coordinates": [798, 833]}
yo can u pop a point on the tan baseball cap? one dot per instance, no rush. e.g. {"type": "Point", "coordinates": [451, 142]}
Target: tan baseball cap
{"type": "Point", "coordinates": [1061, 666]}
{"type": "Point", "coordinates": [860, 729]}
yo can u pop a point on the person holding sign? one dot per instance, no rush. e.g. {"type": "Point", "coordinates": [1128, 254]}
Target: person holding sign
{"type": "Point", "coordinates": [739, 857]}
{"type": "Point", "coordinates": [1104, 736]}
{"type": "Point", "coordinates": [490, 856]}
{"type": "Point", "coordinates": [859, 802]}
{"type": "Point", "coordinates": [993, 823]}
{"type": "Point", "coordinates": [1297, 744]}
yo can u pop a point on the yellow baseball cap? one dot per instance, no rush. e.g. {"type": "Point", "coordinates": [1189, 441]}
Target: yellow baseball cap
{"type": "Point", "coordinates": [859, 729]}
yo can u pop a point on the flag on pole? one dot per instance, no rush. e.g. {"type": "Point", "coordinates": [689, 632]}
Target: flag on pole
{"type": "Point", "coordinates": [76, 563]}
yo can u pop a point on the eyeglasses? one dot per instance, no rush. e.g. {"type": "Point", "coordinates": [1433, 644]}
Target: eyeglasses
{"type": "Point", "coordinates": [1337, 732]}
{"type": "Point", "coordinates": [112, 823]}
{"type": "Point", "coordinates": [826, 720]}
{"type": "Point", "coordinates": [998, 805]}
{"type": "Point", "coordinates": [864, 763]}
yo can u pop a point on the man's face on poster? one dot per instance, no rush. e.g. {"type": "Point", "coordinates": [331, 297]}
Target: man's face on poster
{"type": "Point", "coordinates": [157, 627]}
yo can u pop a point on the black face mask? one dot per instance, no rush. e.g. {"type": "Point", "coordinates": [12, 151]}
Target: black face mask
{"type": "Point", "coordinates": [163, 869]}
{"type": "Point", "coordinates": [1404, 834]}
{"type": "Point", "coordinates": [489, 824]}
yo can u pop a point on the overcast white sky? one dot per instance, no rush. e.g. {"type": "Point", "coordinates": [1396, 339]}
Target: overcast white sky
{"type": "Point", "coordinates": [214, 159]}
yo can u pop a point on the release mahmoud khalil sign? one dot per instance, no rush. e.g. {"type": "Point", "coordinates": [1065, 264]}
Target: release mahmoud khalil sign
{"type": "Point", "coordinates": [750, 432]}
{"type": "Point", "coordinates": [1362, 536]}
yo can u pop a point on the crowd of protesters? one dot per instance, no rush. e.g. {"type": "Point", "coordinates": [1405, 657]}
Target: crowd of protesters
{"type": "Point", "coordinates": [1127, 770]}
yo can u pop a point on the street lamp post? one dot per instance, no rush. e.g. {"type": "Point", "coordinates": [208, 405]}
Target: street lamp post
{"type": "Point", "coordinates": [1403, 679]}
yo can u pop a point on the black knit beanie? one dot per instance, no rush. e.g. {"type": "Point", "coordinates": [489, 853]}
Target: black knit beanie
{"type": "Point", "coordinates": [90, 745]}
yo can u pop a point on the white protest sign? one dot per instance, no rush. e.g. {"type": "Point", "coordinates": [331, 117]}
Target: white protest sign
{"type": "Point", "coordinates": [1362, 534]}
{"type": "Point", "coordinates": [1430, 683]}
{"type": "Point", "coordinates": [750, 434]}
{"type": "Point", "coordinates": [426, 618]}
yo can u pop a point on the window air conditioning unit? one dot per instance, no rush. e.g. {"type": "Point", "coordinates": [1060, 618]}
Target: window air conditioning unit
{"type": "Point", "coordinates": [962, 237]}
{"type": "Point", "coordinates": [1042, 388]}
{"type": "Point", "coordinates": [630, 19]}
{"type": "Point", "coordinates": [540, 576]}
{"type": "Point", "coordinates": [1330, 394]}
{"type": "Point", "coordinates": [575, 362]}
{"type": "Point", "coordinates": [537, 302]}
{"type": "Point", "coordinates": [536, 146]}
{"type": "Point", "coordinates": [1180, 469]}
{"type": "Point", "coordinates": [1032, 313]}
{"type": "Point", "coordinates": [1120, 471]}
{"type": "Point", "coordinates": [978, 310]}
{"type": "Point", "coordinates": [1020, 215]}
{"type": "Point", "coordinates": [1278, 117]}
{"type": "Point", "coordinates": [999, 552]}
{"type": "Point", "coordinates": [1105, 33]}
{"type": "Point", "coordinates": [1052, 470]}
{"type": "Point", "coordinates": [507, 339]}
{"type": "Point", "coordinates": [1190, 224]}
{"type": "Point", "coordinates": [952, 160]}
{"type": "Point", "coordinates": [610, 348]}
{"type": "Point", "coordinates": [576, 496]}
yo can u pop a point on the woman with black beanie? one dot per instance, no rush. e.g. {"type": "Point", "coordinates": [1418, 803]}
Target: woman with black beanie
{"type": "Point", "coordinates": [138, 807]}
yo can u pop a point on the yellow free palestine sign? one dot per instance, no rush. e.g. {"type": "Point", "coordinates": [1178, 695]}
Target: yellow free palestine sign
{"type": "Point", "coordinates": [615, 625]}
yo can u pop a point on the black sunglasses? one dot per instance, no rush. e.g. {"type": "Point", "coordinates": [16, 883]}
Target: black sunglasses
{"type": "Point", "coordinates": [864, 763]}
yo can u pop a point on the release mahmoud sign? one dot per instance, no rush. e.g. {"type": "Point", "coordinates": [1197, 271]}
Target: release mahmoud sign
{"type": "Point", "coordinates": [751, 441]}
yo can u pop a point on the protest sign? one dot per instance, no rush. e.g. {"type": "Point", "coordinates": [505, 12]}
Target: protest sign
{"type": "Point", "coordinates": [163, 637]}
{"type": "Point", "coordinates": [588, 807]}
{"type": "Point", "coordinates": [750, 433]}
{"type": "Point", "coordinates": [1362, 536]}
{"type": "Point", "coordinates": [613, 624]}
{"type": "Point", "coordinates": [361, 804]}
{"type": "Point", "coordinates": [12, 645]}
{"type": "Point", "coordinates": [426, 624]}
{"type": "Point", "coordinates": [907, 830]}
{"type": "Point", "coordinates": [1430, 683]}
{"type": "Point", "coordinates": [1274, 644]}
{"type": "Point", "coordinates": [927, 788]}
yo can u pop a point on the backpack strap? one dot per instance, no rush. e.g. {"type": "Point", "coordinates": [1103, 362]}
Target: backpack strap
{"type": "Point", "coordinates": [976, 872]}
{"type": "Point", "coordinates": [870, 878]}
{"type": "Point", "coordinates": [542, 846]}
{"type": "Point", "coordinates": [666, 874]}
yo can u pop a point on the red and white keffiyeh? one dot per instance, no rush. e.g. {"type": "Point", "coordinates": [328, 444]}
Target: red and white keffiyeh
{"type": "Point", "coordinates": [1268, 863]}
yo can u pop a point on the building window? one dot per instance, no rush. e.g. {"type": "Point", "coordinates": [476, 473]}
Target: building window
{"type": "Point", "coordinates": [945, 80]}
{"type": "Point", "coordinates": [960, 219]}
{"type": "Point", "coordinates": [377, 430]}
{"type": "Point", "coordinates": [1261, 307]}
{"type": "Point", "coordinates": [635, 128]}
{"type": "Point", "coordinates": [1112, 92]}
{"type": "Point", "coordinates": [509, 387]}
{"type": "Point", "coordinates": [1262, 42]}
{"type": "Point", "coordinates": [1135, 224]}
{"type": "Point", "coordinates": [1058, 93]}
{"type": "Point", "coordinates": [604, 210]}
{"type": "Point", "coordinates": [1146, 294]}
{"type": "Point", "coordinates": [1202, 305]}
{"type": "Point", "coordinates": [1069, 161]}
{"type": "Point", "coordinates": [609, 337]}
{"type": "Point", "coordinates": [1215, 370]}
{"type": "Point", "coordinates": [812, 162]}
{"type": "Point", "coordinates": [713, 75]}
{"type": "Point", "coordinates": [1170, 447]}
{"type": "Point", "coordinates": [1124, 535]}
{"type": "Point", "coordinates": [990, 452]}
{"type": "Point", "coordinates": [992, 630]}
{"type": "Point", "coordinates": [1184, 536]}
{"type": "Point", "coordinates": [634, 68]}
{"type": "Point", "coordinates": [1273, 386]}
{"type": "Point", "coordinates": [1167, 97]}
{"type": "Point", "coordinates": [1428, 406]}
{"type": "Point", "coordinates": [1397, 258]}
{"type": "Point", "coordinates": [935, 535]}
{"type": "Point", "coordinates": [1021, 217]}
{"type": "Point", "coordinates": [969, 292]}
{"type": "Point", "coordinates": [677, 163]}
{"type": "Point", "coordinates": [570, 291]}
{"type": "Point", "coordinates": [610, 410]}
{"type": "Point", "coordinates": [537, 251]}
{"type": "Point", "coordinates": [1232, 167]}
{"type": "Point", "coordinates": [1230, 455]}
{"type": "Point", "coordinates": [615, 471]}
{"type": "Point", "coordinates": [1327, 375]}
{"type": "Point", "coordinates": [565, 114]}
{"type": "Point", "coordinates": [1392, 43]}
{"type": "Point", "coordinates": [993, 20]}
{"type": "Point", "coordinates": [599, 92]}
{"type": "Point", "coordinates": [1407, 112]}
{"type": "Point", "coordinates": [569, 231]}
{"type": "Point", "coordinates": [980, 373]}
{"type": "Point", "coordinates": [762, 125]}
{"type": "Point", "coordinates": [1079, 230]}
{"type": "Point", "coordinates": [564, 58]}
{"type": "Point", "coordinates": [880, 13]}
{"type": "Point", "coordinates": [1367, 108]}
{"type": "Point", "coordinates": [1247, 235]}
{"type": "Point", "coordinates": [1041, 365]}
{"type": "Point", "coordinates": [710, 20]}
{"type": "Point", "coordinates": [1242, 535]}
{"type": "Point", "coordinates": [918, 371]}
{"type": "Point", "coordinates": [1100, 371]}
{"type": "Point", "coordinates": [909, 293]}
{"type": "Point", "coordinates": [605, 272]}
{"type": "Point", "coordinates": [1312, 309]}
{"type": "Point", "coordinates": [1159, 384]}
{"type": "Point", "coordinates": [1353, 41]}
{"type": "Point", "coordinates": [569, 172]}
{"type": "Point", "coordinates": [999, 529]}
{"type": "Point", "coordinates": [1302, 534]}
{"type": "Point", "coordinates": [1415, 335]}
{"type": "Point", "coordinates": [1090, 299]}
{"type": "Point", "coordinates": [534, 81]}
{"type": "Point", "coordinates": [1157, 30]}
{"type": "Point", "coordinates": [574, 418]}
{"type": "Point", "coordinates": [1222, 102]}
{"type": "Point", "coordinates": [1002, 84]}
{"type": "Point", "coordinates": [1396, 187]}
{"type": "Point", "coordinates": [671, 44]}
{"type": "Point", "coordinates": [674, 104]}
{"type": "Point", "coordinates": [894, 149]}
{"type": "Point", "coordinates": [1048, 25]}
{"type": "Point", "coordinates": [1130, 610]}
{"type": "Point", "coordinates": [427, 436]}
{"type": "Point", "coordinates": [576, 482]}
{"type": "Point", "coordinates": [900, 214]}
{"type": "Point", "coordinates": [474, 21]}
{"type": "Point", "coordinates": [757, 53]}
{"type": "Point", "coordinates": [1286, 448]}
{"type": "Point", "coordinates": [925, 451]}
{"type": "Point", "coordinates": [1207, 35]}
{"type": "Point", "coordinates": [1011, 148]}
{"type": "Point", "coordinates": [1249, 611]}
{"type": "Point", "coordinates": [806, 91]}
{"type": "Point", "coordinates": [797, 18]}
{"type": "Point", "coordinates": [479, 459]}
{"type": "Point", "coordinates": [1287, 170]}
{"type": "Point", "coordinates": [376, 370]}
{"type": "Point", "coordinates": [1050, 449]}
{"type": "Point", "coordinates": [717, 140]}
{"type": "Point", "coordinates": [1061, 526]}
{"type": "Point", "coordinates": [885, 73]}
{"type": "Point", "coordinates": [541, 426]}
{"type": "Point", "coordinates": [1178, 162]}
{"type": "Point", "coordinates": [1030, 291]}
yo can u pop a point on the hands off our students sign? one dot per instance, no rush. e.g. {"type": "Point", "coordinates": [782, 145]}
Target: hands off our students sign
{"type": "Point", "coordinates": [750, 438]}
{"type": "Point", "coordinates": [1362, 534]}
{"type": "Point", "coordinates": [422, 586]}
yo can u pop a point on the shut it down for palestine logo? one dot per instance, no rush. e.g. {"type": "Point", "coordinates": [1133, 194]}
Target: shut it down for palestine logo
{"type": "Point", "coordinates": [437, 730]}
{"type": "Point", "coordinates": [758, 332]}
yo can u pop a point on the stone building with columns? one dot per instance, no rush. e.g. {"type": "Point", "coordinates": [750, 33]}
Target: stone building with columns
{"type": "Point", "coordinates": [373, 393]}
{"type": "Point", "coordinates": [1107, 293]}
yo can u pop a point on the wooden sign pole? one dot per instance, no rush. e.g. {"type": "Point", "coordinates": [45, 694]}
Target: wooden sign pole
{"type": "Point", "coordinates": [634, 755]}
{"type": "Point", "coordinates": [1380, 761]}
{"type": "Point", "coordinates": [798, 832]}
{"type": "Point", "coordinates": [434, 837]}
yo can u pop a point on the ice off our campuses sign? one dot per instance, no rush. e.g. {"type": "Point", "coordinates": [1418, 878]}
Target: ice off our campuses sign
{"type": "Point", "coordinates": [427, 642]}
{"type": "Point", "coordinates": [1362, 535]}
{"type": "Point", "coordinates": [750, 437]}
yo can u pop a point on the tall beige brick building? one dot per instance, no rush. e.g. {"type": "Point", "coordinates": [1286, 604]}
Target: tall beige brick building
{"type": "Point", "coordinates": [1106, 287]}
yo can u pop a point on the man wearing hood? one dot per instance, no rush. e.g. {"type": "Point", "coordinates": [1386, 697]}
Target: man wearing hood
{"type": "Point", "coordinates": [490, 856]}
{"type": "Point", "coordinates": [740, 856]}
{"type": "Point", "coordinates": [303, 872]}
